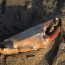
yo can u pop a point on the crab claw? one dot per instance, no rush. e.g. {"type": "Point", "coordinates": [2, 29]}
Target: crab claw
{"type": "Point", "coordinates": [47, 24]}
{"type": "Point", "coordinates": [31, 39]}
{"type": "Point", "coordinates": [54, 34]}
{"type": "Point", "coordinates": [43, 27]}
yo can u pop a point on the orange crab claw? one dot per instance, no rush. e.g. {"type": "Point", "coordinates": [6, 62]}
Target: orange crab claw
{"type": "Point", "coordinates": [31, 39]}
{"type": "Point", "coordinates": [54, 34]}
{"type": "Point", "coordinates": [48, 23]}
